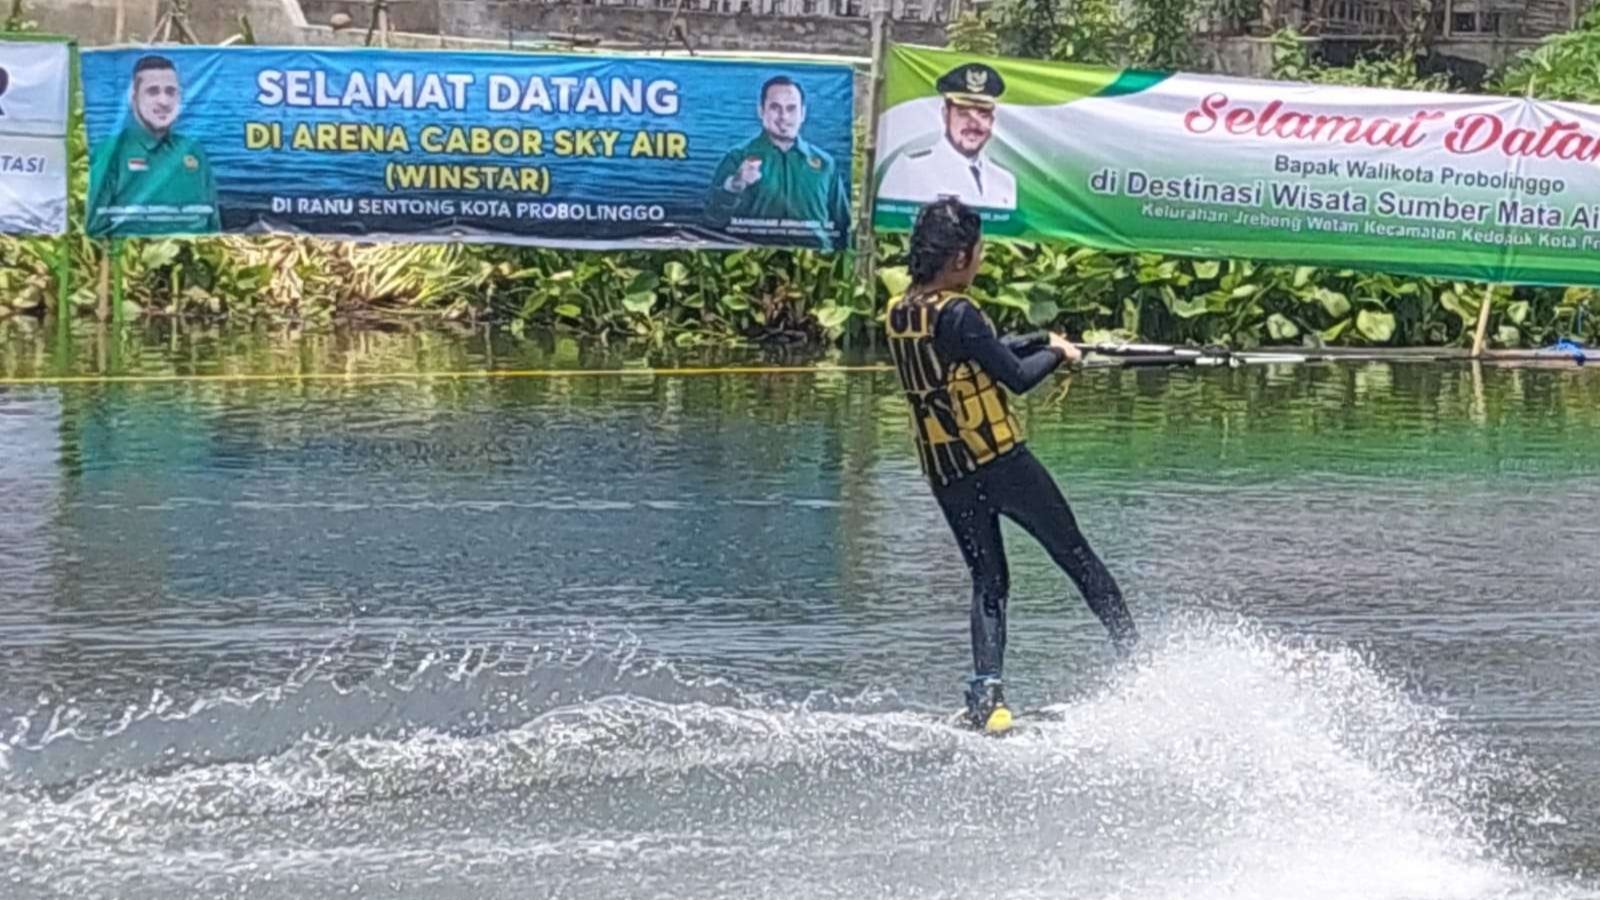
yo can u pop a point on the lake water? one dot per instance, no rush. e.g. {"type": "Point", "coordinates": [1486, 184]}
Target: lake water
{"type": "Point", "coordinates": [655, 635]}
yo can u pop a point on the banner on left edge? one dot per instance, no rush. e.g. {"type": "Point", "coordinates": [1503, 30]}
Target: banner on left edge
{"type": "Point", "coordinates": [34, 79]}
{"type": "Point", "coordinates": [552, 150]}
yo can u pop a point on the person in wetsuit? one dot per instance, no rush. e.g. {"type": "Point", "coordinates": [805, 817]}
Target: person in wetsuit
{"type": "Point", "coordinates": [955, 372]}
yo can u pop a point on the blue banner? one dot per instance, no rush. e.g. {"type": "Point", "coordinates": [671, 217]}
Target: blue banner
{"type": "Point", "coordinates": [554, 150]}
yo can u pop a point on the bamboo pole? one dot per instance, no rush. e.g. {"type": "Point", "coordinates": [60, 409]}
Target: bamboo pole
{"type": "Point", "coordinates": [1480, 409]}
{"type": "Point", "coordinates": [181, 21]}
{"type": "Point", "coordinates": [118, 317]}
{"type": "Point", "coordinates": [64, 245]}
{"type": "Point", "coordinates": [1483, 322]}
{"type": "Point", "coordinates": [866, 243]}
{"type": "Point", "coordinates": [103, 309]}
{"type": "Point", "coordinates": [63, 276]}
{"type": "Point", "coordinates": [63, 344]}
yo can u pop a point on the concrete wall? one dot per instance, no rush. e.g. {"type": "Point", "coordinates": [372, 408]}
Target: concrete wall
{"type": "Point", "coordinates": [272, 20]}
{"type": "Point", "coordinates": [1246, 57]}
{"type": "Point", "coordinates": [522, 21]}
{"type": "Point", "coordinates": [94, 22]}
{"type": "Point", "coordinates": [489, 23]}
{"type": "Point", "coordinates": [1468, 58]}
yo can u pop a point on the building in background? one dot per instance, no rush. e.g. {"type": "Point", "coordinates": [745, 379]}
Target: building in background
{"type": "Point", "coordinates": [1468, 35]}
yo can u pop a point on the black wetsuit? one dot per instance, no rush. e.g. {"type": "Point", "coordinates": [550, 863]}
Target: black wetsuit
{"type": "Point", "coordinates": [972, 450]}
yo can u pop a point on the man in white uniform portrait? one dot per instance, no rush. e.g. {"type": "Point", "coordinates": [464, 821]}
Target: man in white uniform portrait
{"type": "Point", "coordinates": [956, 165]}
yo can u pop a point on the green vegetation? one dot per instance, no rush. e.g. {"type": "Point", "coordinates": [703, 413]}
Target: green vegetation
{"type": "Point", "coordinates": [687, 298]}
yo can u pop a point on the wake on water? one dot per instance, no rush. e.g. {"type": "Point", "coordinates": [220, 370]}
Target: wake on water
{"type": "Point", "coordinates": [1225, 763]}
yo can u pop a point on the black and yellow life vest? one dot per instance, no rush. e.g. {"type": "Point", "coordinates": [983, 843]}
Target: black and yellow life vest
{"type": "Point", "coordinates": [960, 417]}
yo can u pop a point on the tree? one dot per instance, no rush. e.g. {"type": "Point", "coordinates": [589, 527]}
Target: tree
{"type": "Point", "coordinates": [1140, 33]}
{"type": "Point", "coordinates": [1560, 68]}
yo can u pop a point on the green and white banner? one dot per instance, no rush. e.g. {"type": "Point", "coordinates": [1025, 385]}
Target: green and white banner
{"type": "Point", "coordinates": [1489, 188]}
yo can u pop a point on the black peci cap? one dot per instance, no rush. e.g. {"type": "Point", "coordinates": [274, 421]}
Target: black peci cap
{"type": "Point", "coordinates": [971, 84]}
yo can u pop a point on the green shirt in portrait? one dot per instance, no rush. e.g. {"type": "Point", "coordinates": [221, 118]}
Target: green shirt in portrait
{"type": "Point", "coordinates": [146, 184]}
{"type": "Point", "coordinates": [800, 184]}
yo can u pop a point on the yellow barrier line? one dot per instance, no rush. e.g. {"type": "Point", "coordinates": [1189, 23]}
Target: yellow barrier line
{"type": "Point", "coordinates": [421, 376]}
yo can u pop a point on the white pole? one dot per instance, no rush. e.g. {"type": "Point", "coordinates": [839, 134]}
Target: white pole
{"type": "Point", "coordinates": [866, 245]}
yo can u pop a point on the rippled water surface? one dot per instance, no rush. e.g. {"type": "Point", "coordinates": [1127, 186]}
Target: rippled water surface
{"type": "Point", "coordinates": [646, 635]}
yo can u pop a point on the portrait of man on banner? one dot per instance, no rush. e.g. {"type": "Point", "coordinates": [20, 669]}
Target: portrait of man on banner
{"type": "Point", "coordinates": [153, 180]}
{"type": "Point", "coordinates": [958, 164]}
{"type": "Point", "coordinates": [778, 184]}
